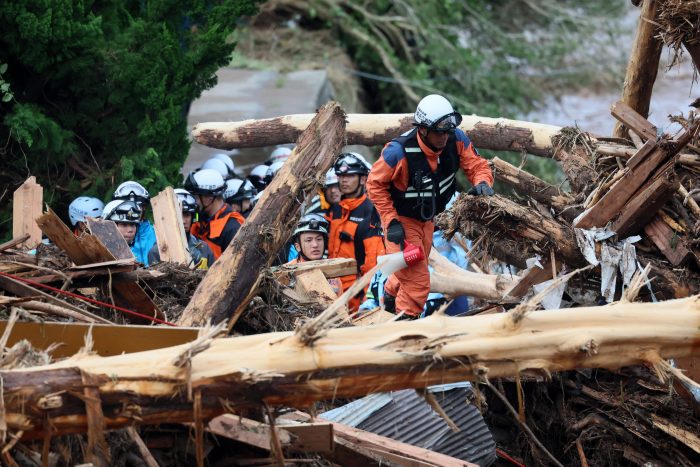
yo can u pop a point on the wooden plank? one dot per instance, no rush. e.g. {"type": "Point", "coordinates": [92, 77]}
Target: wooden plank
{"type": "Point", "coordinates": [14, 242]}
{"type": "Point", "coordinates": [533, 277]}
{"type": "Point", "coordinates": [330, 268]}
{"type": "Point", "coordinates": [619, 194]}
{"type": "Point", "coordinates": [634, 121]}
{"type": "Point", "coordinates": [107, 339]}
{"type": "Point", "coordinates": [311, 437]}
{"type": "Point", "coordinates": [26, 207]}
{"type": "Point", "coordinates": [684, 436]}
{"type": "Point", "coordinates": [246, 431]}
{"type": "Point", "coordinates": [641, 154]}
{"type": "Point", "coordinates": [88, 249]}
{"type": "Point", "coordinates": [81, 250]}
{"type": "Point", "coordinates": [646, 202]}
{"type": "Point", "coordinates": [377, 316]}
{"type": "Point", "coordinates": [170, 231]}
{"type": "Point", "coordinates": [313, 285]}
{"type": "Point", "coordinates": [108, 234]}
{"type": "Point", "coordinates": [666, 240]}
{"type": "Point", "coordinates": [401, 453]}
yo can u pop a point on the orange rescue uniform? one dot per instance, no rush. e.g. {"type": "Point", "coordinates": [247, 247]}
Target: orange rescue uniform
{"type": "Point", "coordinates": [355, 233]}
{"type": "Point", "coordinates": [400, 186]}
{"type": "Point", "coordinates": [219, 230]}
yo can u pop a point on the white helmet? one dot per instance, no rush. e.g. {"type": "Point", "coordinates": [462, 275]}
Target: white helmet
{"type": "Point", "coordinates": [238, 190]}
{"type": "Point", "coordinates": [187, 201]}
{"type": "Point", "coordinates": [226, 159]}
{"type": "Point", "coordinates": [133, 191]}
{"type": "Point", "coordinates": [331, 178]}
{"type": "Point", "coordinates": [218, 165]}
{"type": "Point", "coordinates": [436, 113]}
{"type": "Point", "coordinates": [119, 210]}
{"type": "Point", "coordinates": [272, 171]}
{"type": "Point", "coordinates": [281, 153]}
{"type": "Point", "coordinates": [205, 182]}
{"type": "Point", "coordinates": [257, 177]}
{"type": "Point", "coordinates": [84, 206]}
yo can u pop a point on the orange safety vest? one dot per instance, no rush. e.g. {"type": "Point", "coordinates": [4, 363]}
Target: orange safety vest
{"type": "Point", "coordinates": [210, 230]}
{"type": "Point", "coordinates": [355, 233]}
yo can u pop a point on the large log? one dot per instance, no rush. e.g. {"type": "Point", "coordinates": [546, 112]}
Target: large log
{"type": "Point", "coordinates": [499, 134]}
{"type": "Point", "coordinates": [539, 190]}
{"type": "Point", "coordinates": [230, 284]}
{"type": "Point", "coordinates": [279, 369]}
{"type": "Point", "coordinates": [643, 64]}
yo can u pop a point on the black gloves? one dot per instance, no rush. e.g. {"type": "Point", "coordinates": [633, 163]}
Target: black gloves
{"type": "Point", "coordinates": [395, 233]}
{"type": "Point", "coordinates": [482, 189]}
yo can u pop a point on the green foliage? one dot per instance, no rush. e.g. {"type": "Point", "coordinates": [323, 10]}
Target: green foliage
{"type": "Point", "coordinates": [491, 57]}
{"type": "Point", "coordinates": [99, 91]}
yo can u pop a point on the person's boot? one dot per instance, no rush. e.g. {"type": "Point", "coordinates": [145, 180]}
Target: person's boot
{"type": "Point", "coordinates": [389, 303]}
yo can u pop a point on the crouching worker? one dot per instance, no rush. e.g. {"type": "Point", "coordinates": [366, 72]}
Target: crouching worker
{"type": "Point", "coordinates": [202, 256]}
{"type": "Point", "coordinates": [310, 240]}
{"type": "Point", "coordinates": [127, 216]}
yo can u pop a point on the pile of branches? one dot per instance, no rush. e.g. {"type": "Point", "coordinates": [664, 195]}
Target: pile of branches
{"type": "Point", "coordinates": [541, 220]}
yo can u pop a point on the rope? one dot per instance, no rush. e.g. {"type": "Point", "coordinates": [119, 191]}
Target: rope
{"type": "Point", "coordinates": [86, 299]}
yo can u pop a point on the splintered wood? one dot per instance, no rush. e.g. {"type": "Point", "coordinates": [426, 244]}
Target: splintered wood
{"type": "Point", "coordinates": [26, 207]}
{"type": "Point", "coordinates": [170, 232]}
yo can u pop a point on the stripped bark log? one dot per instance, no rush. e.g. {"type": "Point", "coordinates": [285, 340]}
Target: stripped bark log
{"type": "Point", "coordinates": [229, 285]}
{"type": "Point", "coordinates": [643, 65]}
{"type": "Point", "coordinates": [498, 134]}
{"type": "Point", "coordinates": [449, 279]}
{"type": "Point", "coordinates": [150, 388]}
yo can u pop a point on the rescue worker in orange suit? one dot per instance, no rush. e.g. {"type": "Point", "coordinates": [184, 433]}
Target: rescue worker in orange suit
{"type": "Point", "coordinates": [310, 240]}
{"type": "Point", "coordinates": [355, 227]}
{"type": "Point", "coordinates": [412, 182]}
{"type": "Point", "coordinates": [218, 224]}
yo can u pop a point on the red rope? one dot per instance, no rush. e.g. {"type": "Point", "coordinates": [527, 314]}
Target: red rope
{"type": "Point", "coordinates": [502, 454]}
{"type": "Point", "coordinates": [86, 299]}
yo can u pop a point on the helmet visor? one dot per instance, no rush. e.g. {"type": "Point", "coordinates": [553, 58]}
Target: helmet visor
{"type": "Point", "coordinates": [447, 124]}
{"type": "Point", "coordinates": [126, 214]}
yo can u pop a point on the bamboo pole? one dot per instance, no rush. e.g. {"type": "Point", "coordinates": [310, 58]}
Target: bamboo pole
{"type": "Point", "coordinates": [284, 369]}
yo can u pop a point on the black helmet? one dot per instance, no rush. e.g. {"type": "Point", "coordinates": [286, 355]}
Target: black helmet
{"type": "Point", "coordinates": [349, 163]}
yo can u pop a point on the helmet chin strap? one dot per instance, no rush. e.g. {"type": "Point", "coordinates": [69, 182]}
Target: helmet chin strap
{"type": "Point", "coordinates": [427, 143]}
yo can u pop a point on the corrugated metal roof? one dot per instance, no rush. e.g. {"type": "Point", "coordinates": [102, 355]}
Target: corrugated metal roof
{"type": "Point", "coordinates": [356, 412]}
{"type": "Point", "coordinates": [405, 416]}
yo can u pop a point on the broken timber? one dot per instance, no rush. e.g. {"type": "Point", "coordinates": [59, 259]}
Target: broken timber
{"type": "Point", "coordinates": [88, 249]}
{"type": "Point", "coordinates": [231, 282]}
{"type": "Point", "coordinates": [27, 205]}
{"type": "Point", "coordinates": [344, 362]}
{"type": "Point", "coordinates": [643, 64]}
{"type": "Point", "coordinates": [170, 231]}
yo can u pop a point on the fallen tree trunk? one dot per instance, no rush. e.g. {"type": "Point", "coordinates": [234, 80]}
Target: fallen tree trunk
{"type": "Point", "coordinates": [643, 65]}
{"type": "Point", "coordinates": [449, 279]}
{"type": "Point", "coordinates": [499, 134]}
{"type": "Point", "coordinates": [539, 190]}
{"type": "Point", "coordinates": [279, 369]}
{"type": "Point", "coordinates": [230, 284]}
{"type": "Point", "coordinates": [506, 222]}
